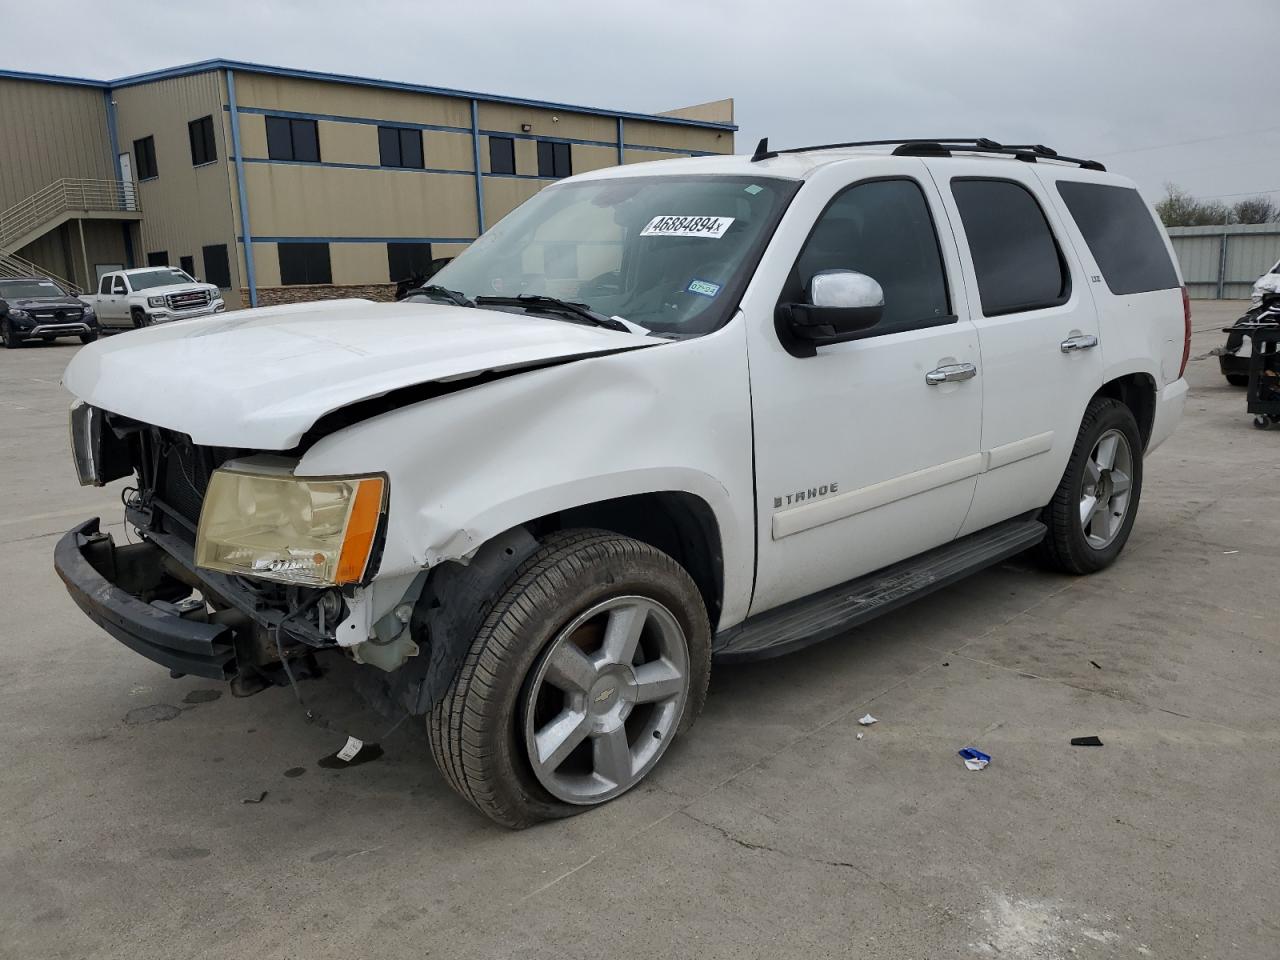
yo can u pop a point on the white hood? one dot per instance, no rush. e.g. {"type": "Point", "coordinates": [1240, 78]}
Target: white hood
{"type": "Point", "coordinates": [260, 378]}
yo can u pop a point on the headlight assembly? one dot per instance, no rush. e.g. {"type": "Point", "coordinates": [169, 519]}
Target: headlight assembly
{"type": "Point", "coordinates": [155, 301]}
{"type": "Point", "coordinates": [310, 532]}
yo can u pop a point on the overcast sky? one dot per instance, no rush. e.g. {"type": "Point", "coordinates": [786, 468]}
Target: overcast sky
{"type": "Point", "coordinates": [1128, 82]}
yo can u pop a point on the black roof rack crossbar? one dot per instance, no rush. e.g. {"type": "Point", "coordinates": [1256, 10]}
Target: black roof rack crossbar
{"type": "Point", "coordinates": [940, 147]}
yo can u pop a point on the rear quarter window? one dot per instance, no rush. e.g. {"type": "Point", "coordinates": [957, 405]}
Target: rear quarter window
{"type": "Point", "coordinates": [1122, 235]}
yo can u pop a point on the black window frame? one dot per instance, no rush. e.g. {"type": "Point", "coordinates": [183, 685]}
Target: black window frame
{"type": "Point", "coordinates": [1064, 265]}
{"type": "Point", "coordinates": [144, 158]}
{"type": "Point", "coordinates": [204, 147]}
{"type": "Point", "coordinates": [793, 290]}
{"type": "Point", "coordinates": [391, 147]}
{"type": "Point", "coordinates": [550, 154]}
{"type": "Point", "coordinates": [407, 249]}
{"type": "Point", "coordinates": [311, 274]}
{"type": "Point", "coordinates": [158, 258]}
{"type": "Point", "coordinates": [187, 264]}
{"type": "Point", "coordinates": [1120, 277]}
{"type": "Point", "coordinates": [510, 144]}
{"type": "Point", "coordinates": [220, 268]}
{"type": "Point", "coordinates": [276, 148]}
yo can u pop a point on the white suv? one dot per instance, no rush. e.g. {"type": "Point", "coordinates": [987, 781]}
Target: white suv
{"type": "Point", "coordinates": [715, 408]}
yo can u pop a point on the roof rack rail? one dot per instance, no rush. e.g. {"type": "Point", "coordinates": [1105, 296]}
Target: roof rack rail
{"type": "Point", "coordinates": [940, 147]}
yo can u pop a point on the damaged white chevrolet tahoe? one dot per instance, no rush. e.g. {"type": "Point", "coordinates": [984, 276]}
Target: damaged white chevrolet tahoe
{"type": "Point", "coordinates": [717, 408]}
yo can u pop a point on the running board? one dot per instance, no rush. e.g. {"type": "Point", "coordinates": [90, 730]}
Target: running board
{"type": "Point", "coordinates": [837, 609]}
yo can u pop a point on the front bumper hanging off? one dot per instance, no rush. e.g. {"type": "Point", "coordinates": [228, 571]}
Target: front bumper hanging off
{"type": "Point", "coordinates": [109, 584]}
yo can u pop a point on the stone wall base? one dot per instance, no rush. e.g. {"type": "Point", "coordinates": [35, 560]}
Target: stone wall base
{"type": "Point", "coordinates": [270, 296]}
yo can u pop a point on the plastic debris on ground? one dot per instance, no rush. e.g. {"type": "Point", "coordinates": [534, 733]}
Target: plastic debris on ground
{"type": "Point", "coordinates": [867, 720]}
{"type": "Point", "coordinates": [258, 799]}
{"type": "Point", "coordinates": [859, 734]}
{"type": "Point", "coordinates": [974, 758]}
{"type": "Point", "coordinates": [1085, 742]}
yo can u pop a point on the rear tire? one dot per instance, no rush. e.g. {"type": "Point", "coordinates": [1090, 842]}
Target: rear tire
{"type": "Point", "coordinates": [514, 693]}
{"type": "Point", "coordinates": [1092, 512]}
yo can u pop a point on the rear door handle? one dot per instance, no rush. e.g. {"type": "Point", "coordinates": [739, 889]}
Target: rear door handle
{"type": "Point", "coordinates": [950, 373]}
{"type": "Point", "coordinates": [1086, 341]}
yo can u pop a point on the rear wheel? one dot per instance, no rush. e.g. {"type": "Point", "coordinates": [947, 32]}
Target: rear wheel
{"type": "Point", "coordinates": [590, 663]}
{"type": "Point", "coordinates": [1092, 512]}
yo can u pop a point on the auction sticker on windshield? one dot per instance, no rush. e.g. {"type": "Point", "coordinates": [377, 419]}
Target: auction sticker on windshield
{"type": "Point", "coordinates": [677, 226]}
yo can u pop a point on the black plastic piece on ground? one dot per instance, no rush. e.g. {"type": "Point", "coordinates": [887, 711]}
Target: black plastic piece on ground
{"type": "Point", "coordinates": [833, 611]}
{"type": "Point", "coordinates": [184, 646]}
{"type": "Point", "coordinates": [1085, 742]}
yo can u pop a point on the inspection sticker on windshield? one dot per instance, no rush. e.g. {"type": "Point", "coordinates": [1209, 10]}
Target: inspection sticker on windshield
{"type": "Point", "coordinates": [675, 226]}
{"type": "Point", "coordinates": [704, 287]}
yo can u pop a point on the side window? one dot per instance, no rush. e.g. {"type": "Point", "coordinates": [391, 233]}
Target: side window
{"type": "Point", "coordinates": [1122, 236]}
{"type": "Point", "coordinates": [289, 138]}
{"type": "Point", "coordinates": [217, 268]}
{"type": "Point", "coordinates": [144, 158]}
{"type": "Point", "coordinates": [104, 287]}
{"type": "Point", "coordinates": [119, 287]}
{"type": "Point", "coordinates": [203, 148]}
{"type": "Point", "coordinates": [188, 265]}
{"type": "Point", "coordinates": [1015, 255]}
{"type": "Point", "coordinates": [882, 228]}
{"type": "Point", "coordinates": [158, 258]}
{"type": "Point", "coordinates": [554, 159]}
{"type": "Point", "coordinates": [304, 263]}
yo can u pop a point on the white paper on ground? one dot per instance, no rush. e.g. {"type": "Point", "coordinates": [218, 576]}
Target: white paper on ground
{"type": "Point", "coordinates": [350, 750]}
{"type": "Point", "coordinates": [868, 720]}
{"type": "Point", "coordinates": [976, 764]}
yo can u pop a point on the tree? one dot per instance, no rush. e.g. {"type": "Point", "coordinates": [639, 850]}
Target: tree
{"type": "Point", "coordinates": [1180, 209]}
{"type": "Point", "coordinates": [1258, 209]}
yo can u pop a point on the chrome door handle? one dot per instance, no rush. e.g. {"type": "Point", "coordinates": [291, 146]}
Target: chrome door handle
{"type": "Point", "coordinates": [1085, 341]}
{"type": "Point", "coordinates": [950, 373]}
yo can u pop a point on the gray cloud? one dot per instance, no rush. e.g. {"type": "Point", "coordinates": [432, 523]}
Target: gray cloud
{"type": "Point", "coordinates": [1092, 77]}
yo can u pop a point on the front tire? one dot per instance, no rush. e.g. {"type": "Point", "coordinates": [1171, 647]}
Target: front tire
{"type": "Point", "coordinates": [1092, 512]}
{"type": "Point", "coordinates": [89, 337]}
{"type": "Point", "coordinates": [595, 657]}
{"type": "Point", "coordinates": [10, 339]}
{"type": "Point", "coordinates": [140, 318]}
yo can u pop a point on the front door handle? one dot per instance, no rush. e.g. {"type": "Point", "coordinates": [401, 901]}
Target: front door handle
{"type": "Point", "coordinates": [950, 373]}
{"type": "Point", "coordinates": [1086, 341]}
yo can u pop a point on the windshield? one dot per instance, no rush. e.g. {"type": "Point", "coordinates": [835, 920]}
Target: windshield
{"type": "Point", "coordinates": [29, 289]}
{"type": "Point", "coordinates": [157, 278]}
{"type": "Point", "coordinates": [671, 253]}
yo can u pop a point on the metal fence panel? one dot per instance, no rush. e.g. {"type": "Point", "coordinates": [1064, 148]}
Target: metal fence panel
{"type": "Point", "coordinates": [1223, 262]}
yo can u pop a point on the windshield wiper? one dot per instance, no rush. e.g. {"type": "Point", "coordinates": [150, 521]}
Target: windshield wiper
{"type": "Point", "coordinates": [444, 293]}
{"type": "Point", "coordinates": [554, 305]}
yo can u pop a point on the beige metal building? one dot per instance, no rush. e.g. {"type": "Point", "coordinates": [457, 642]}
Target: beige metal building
{"type": "Point", "coordinates": [281, 184]}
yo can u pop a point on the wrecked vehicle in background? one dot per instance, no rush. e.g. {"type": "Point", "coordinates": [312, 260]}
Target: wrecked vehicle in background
{"type": "Point", "coordinates": [720, 406]}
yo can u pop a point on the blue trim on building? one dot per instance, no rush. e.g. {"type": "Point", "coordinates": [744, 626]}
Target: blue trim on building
{"type": "Point", "coordinates": [339, 118]}
{"type": "Point", "coordinates": [621, 144]}
{"type": "Point", "coordinates": [535, 136]}
{"type": "Point", "coordinates": [685, 153]}
{"type": "Point", "coordinates": [475, 155]}
{"type": "Point", "coordinates": [209, 66]}
{"type": "Point", "coordinates": [521, 176]}
{"type": "Point", "coordinates": [354, 166]}
{"type": "Point", "coordinates": [246, 235]}
{"type": "Point", "coordinates": [360, 239]}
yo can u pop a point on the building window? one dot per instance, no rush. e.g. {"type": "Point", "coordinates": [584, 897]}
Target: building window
{"type": "Point", "coordinates": [188, 265]}
{"type": "Point", "coordinates": [553, 159]}
{"type": "Point", "coordinates": [502, 155]}
{"type": "Point", "coordinates": [160, 258]}
{"type": "Point", "coordinates": [399, 147]}
{"type": "Point", "coordinates": [144, 158]}
{"type": "Point", "coordinates": [292, 139]}
{"type": "Point", "coordinates": [1015, 256]}
{"type": "Point", "coordinates": [203, 149]}
{"type": "Point", "coordinates": [408, 260]}
{"type": "Point", "coordinates": [304, 263]}
{"type": "Point", "coordinates": [217, 268]}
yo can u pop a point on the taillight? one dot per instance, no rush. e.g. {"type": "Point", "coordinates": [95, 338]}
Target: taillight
{"type": "Point", "coordinates": [1186, 342]}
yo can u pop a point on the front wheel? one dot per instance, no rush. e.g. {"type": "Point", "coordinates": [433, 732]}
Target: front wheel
{"type": "Point", "coordinates": [140, 318]}
{"type": "Point", "coordinates": [9, 338]}
{"type": "Point", "coordinates": [89, 337]}
{"type": "Point", "coordinates": [592, 661]}
{"type": "Point", "coordinates": [1093, 510]}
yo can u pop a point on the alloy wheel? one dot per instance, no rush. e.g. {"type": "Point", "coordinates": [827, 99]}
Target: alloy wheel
{"type": "Point", "coordinates": [606, 699]}
{"type": "Point", "coordinates": [1106, 490]}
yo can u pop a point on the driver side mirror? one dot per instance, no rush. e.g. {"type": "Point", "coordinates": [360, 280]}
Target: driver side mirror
{"type": "Point", "coordinates": [840, 305]}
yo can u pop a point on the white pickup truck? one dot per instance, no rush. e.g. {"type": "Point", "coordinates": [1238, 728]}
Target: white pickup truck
{"type": "Point", "coordinates": [149, 295]}
{"type": "Point", "coordinates": [719, 407]}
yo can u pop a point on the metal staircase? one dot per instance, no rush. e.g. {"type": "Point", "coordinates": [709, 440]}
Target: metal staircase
{"type": "Point", "coordinates": [50, 207]}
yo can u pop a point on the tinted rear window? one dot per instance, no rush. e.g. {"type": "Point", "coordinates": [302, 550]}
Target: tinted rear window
{"type": "Point", "coordinates": [1122, 235]}
{"type": "Point", "coordinates": [1015, 255]}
